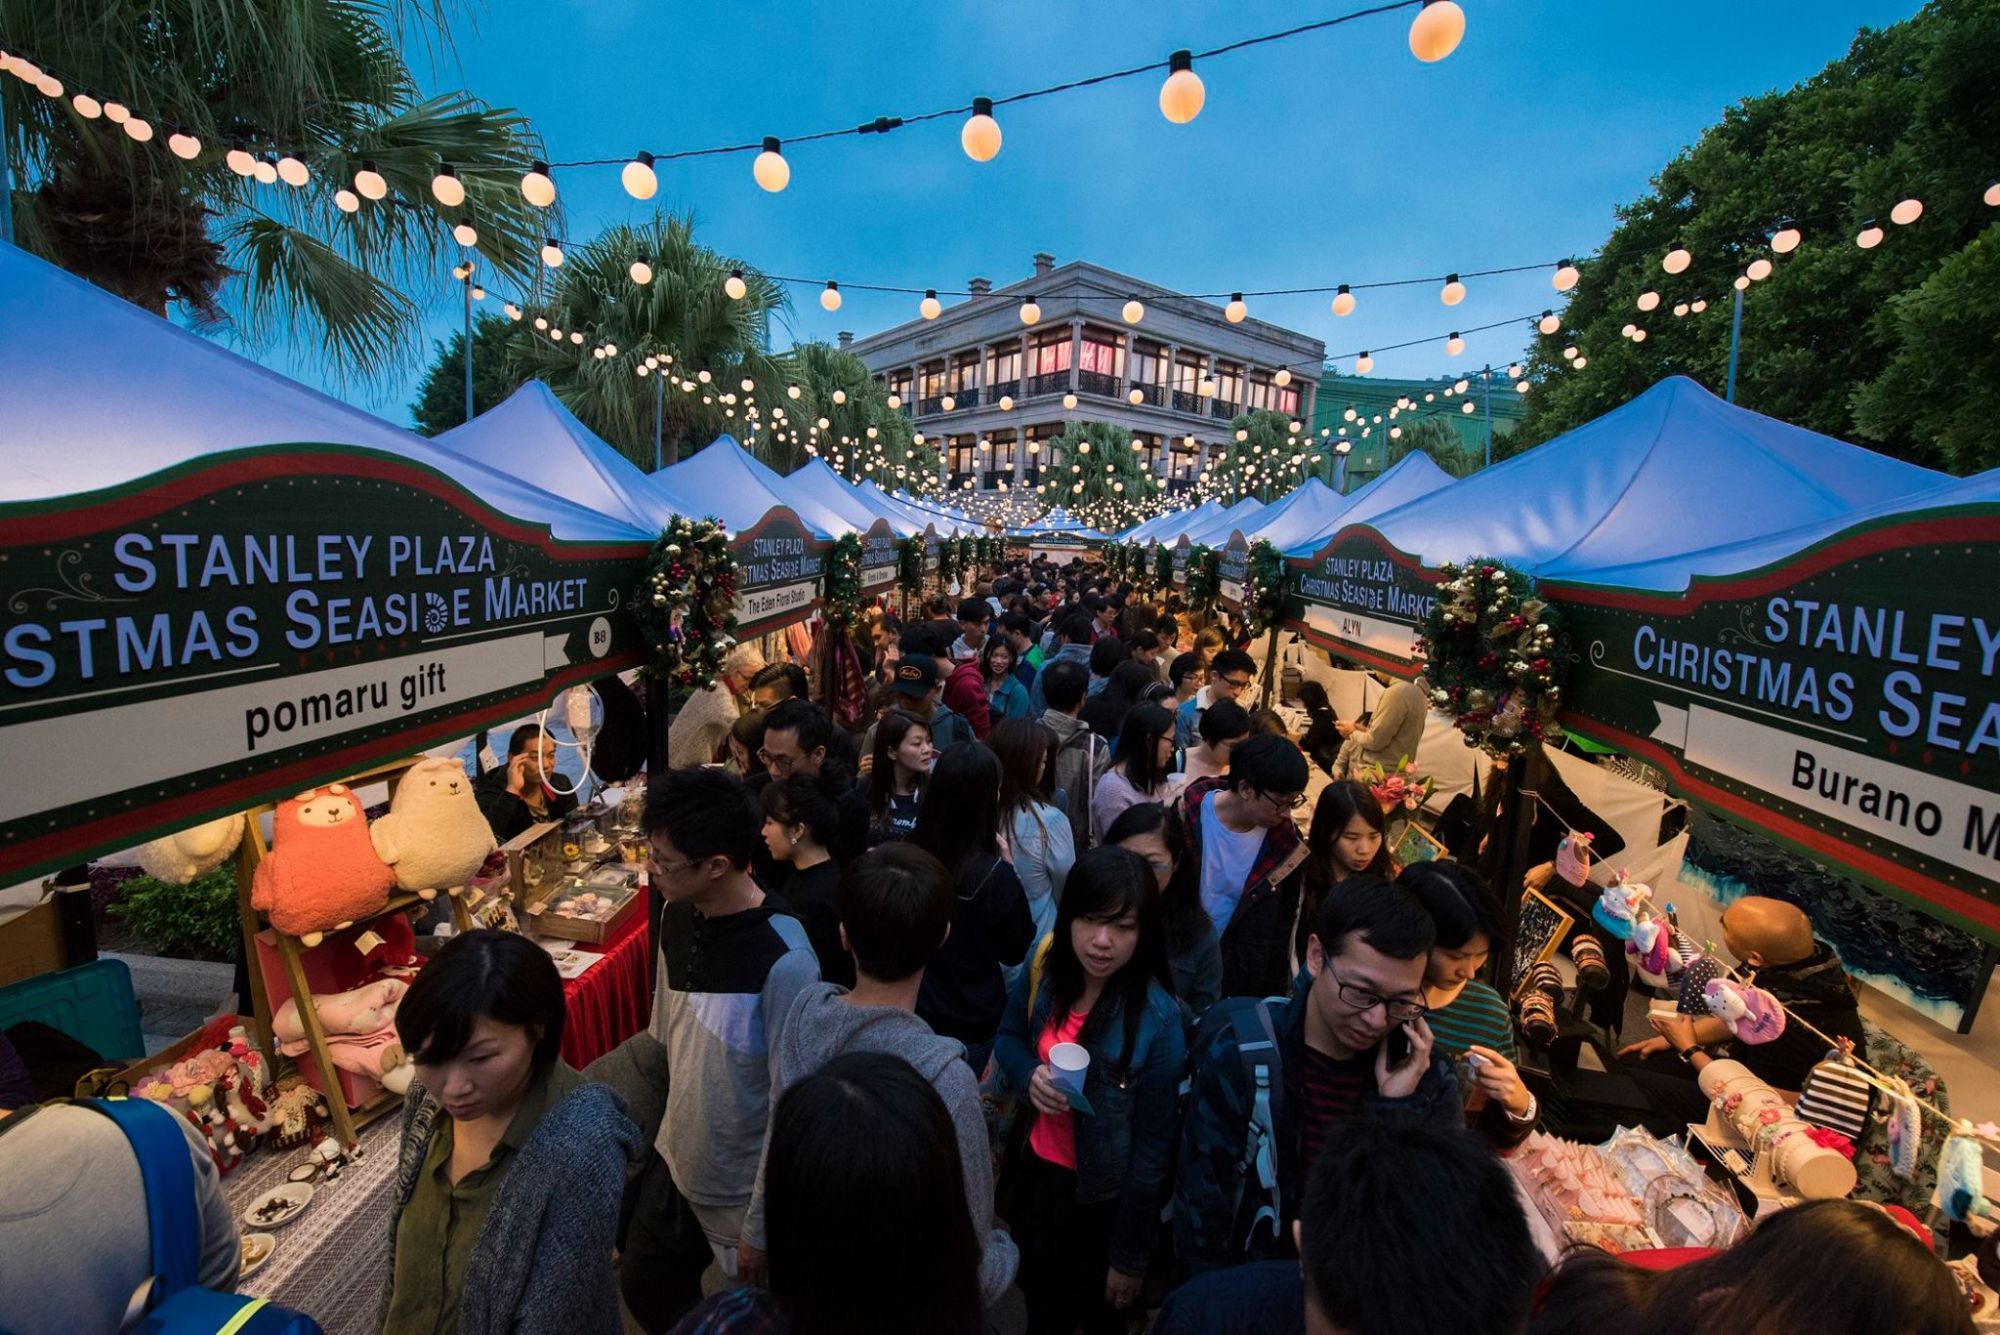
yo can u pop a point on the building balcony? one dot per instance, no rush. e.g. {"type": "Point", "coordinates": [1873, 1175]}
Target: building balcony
{"type": "Point", "coordinates": [1221, 409]}
{"type": "Point", "coordinates": [1152, 394]}
{"type": "Point", "coordinates": [1055, 382]}
{"type": "Point", "coordinates": [999, 389]}
{"type": "Point", "coordinates": [1097, 383]}
{"type": "Point", "coordinates": [1185, 402]}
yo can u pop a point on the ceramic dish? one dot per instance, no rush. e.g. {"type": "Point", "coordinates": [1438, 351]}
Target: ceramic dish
{"type": "Point", "coordinates": [278, 1207]}
{"type": "Point", "coordinates": [257, 1249]}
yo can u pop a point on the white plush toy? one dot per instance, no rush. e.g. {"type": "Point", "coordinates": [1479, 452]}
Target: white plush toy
{"type": "Point", "coordinates": [186, 854]}
{"type": "Point", "coordinates": [434, 837]}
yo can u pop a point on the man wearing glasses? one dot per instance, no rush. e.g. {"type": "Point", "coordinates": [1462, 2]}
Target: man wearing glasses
{"type": "Point", "coordinates": [1351, 1045]}
{"type": "Point", "coordinates": [1241, 835]}
{"type": "Point", "coordinates": [1229, 675]}
{"type": "Point", "coordinates": [797, 735]}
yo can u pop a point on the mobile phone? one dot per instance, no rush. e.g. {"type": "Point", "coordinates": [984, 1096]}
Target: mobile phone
{"type": "Point", "coordinates": [1399, 1045]}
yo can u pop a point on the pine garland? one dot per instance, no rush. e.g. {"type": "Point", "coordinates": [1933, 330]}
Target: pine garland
{"type": "Point", "coordinates": [947, 562]}
{"type": "Point", "coordinates": [910, 566]}
{"type": "Point", "coordinates": [1204, 578]}
{"type": "Point", "coordinates": [685, 603]}
{"type": "Point", "coordinates": [1163, 565]}
{"type": "Point", "coordinates": [1494, 657]}
{"type": "Point", "coordinates": [1267, 586]}
{"type": "Point", "coordinates": [841, 583]}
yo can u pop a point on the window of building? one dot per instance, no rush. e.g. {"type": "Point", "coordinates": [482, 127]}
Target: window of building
{"type": "Point", "coordinates": [1229, 384]}
{"type": "Point", "coordinates": [964, 372]}
{"type": "Point", "coordinates": [1101, 358]}
{"type": "Point", "coordinates": [1285, 400]}
{"type": "Point", "coordinates": [1187, 371]}
{"type": "Point", "coordinates": [1006, 363]}
{"type": "Point", "coordinates": [1148, 367]}
{"type": "Point", "coordinates": [1051, 354]}
{"type": "Point", "coordinates": [934, 380]}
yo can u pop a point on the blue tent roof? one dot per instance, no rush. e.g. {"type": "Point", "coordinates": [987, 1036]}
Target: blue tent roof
{"type": "Point", "coordinates": [165, 396]}
{"type": "Point", "coordinates": [947, 520]}
{"type": "Point", "coordinates": [818, 482]}
{"type": "Point", "coordinates": [723, 480]}
{"type": "Point", "coordinates": [532, 436]}
{"type": "Point", "coordinates": [1674, 470]}
{"type": "Point", "coordinates": [1215, 531]}
{"type": "Point", "coordinates": [1305, 510]}
{"type": "Point", "coordinates": [1413, 476]}
{"type": "Point", "coordinates": [1056, 523]}
{"type": "Point", "coordinates": [872, 493]}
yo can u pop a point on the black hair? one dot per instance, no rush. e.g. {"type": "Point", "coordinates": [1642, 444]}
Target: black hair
{"type": "Point", "coordinates": [1127, 684]}
{"type": "Point", "coordinates": [1027, 752]}
{"type": "Point", "coordinates": [1387, 917]}
{"type": "Point", "coordinates": [1313, 696]}
{"type": "Point", "coordinates": [1458, 899]}
{"type": "Point", "coordinates": [1075, 627]}
{"type": "Point", "coordinates": [749, 730]}
{"type": "Point", "coordinates": [705, 813]}
{"type": "Point", "coordinates": [500, 976]}
{"type": "Point", "coordinates": [1268, 764]}
{"type": "Point", "coordinates": [959, 818]}
{"type": "Point", "coordinates": [867, 1222]}
{"type": "Point", "coordinates": [996, 644]}
{"type": "Point", "coordinates": [791, 674]}
{"type": "Point", "coordinates": [1183, 664]}
{"type": "Point", "coordinates": [1138, 757]}
{"type": "Point", "coordinates": [896, 903]}
{"type": "Point", "coordinates": [1232, 660]}
{"type": "Point", "coordinates": [1093, 602]}
{"type": "Point", "coordinates": [798, 800]}
{"type": "Point", "coordinates": [975, 609]}
{"type": "Point", "coordinates": [889, 734]}
{"type": "Point", "coordinates": [522, 738]}
{"type": "Point", "coordinates": [1017, 623]}
{"type": "Point", "coordinates": [926, 638]}
{"type": "Point", "coordinates": [1223, 721]}
{"type": "Point", "coordinates": [1064, 683]}
{"type": "Point", "coordinates": [802, 718]}
{"type": "Point", "coordinates": [1180, 897]}
{"type": "Point", "coordinates": [1143, 638]}
{"type": "Point", "coordinates": [1106, 655]}
{"type": "Point", "coordinates": [1384, 1201]}
{"type": "Point", "coordinates": [1833, 1267]}
{"type": "Point", "coordinates": [1106, 884]}
{"type": "Point", "coordinates": [1340, 802]}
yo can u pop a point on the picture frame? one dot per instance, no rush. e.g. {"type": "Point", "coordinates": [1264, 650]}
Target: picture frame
{"type": "Point", "coordinates": [1542, 925]}
{"type": "Point", "coordinates": [1416, 844]}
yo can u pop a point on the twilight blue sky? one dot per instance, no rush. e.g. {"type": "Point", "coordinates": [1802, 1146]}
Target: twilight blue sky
{"type": "Point", "coordinates": [1333, 157]}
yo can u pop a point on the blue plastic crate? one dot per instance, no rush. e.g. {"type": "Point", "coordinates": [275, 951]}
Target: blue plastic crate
{"type": "Point", "coordinates": [92, 1003]}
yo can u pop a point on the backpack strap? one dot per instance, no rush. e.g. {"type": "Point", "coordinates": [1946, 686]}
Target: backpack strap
{"type": "Point", "coordinates": [1257, 1050]}
{"type": "Point", "coordinates": [167, 1169]}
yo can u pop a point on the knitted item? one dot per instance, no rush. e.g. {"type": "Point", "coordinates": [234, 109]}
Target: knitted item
{"type": "Point", "coordinates": [1960, 1188]}
{"type": "Point", "coordinates": [1836, 1096]}
{"type": "Point", "coordinates": [1538, 1019]}
{"type": "Point", "coordinates": [1592, 974]}
{"type": "Point", "coordinates": [1751, 1014]}
{"type": "Point", "coordinates": [1905, 1128]}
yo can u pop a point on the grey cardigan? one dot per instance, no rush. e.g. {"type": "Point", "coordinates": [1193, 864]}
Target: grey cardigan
{"type": "Point", "coordinates": [542, 1264]}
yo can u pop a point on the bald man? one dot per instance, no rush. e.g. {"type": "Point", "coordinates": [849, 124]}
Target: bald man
{"type": "Point", "coordinates": [1774, 939]}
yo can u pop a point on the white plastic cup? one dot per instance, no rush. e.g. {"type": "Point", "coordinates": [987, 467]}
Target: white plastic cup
{"type": "Point", "coordinates": [1068, 1064]}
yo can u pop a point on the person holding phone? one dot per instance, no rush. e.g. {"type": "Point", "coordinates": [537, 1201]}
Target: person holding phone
{"type": "Point", "coordinates": [527, 789]}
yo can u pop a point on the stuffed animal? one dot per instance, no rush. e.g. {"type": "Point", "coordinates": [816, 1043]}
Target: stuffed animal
{"type": "Point", "coordinates": [298, 1114]}
{"type": "Point", "coordinates": [367, 1009]}
{"type": "Point", "coordinates": [1658, 953]}
{"type": "Point", "coordinates": [1750, 1013]}
{"type": "Point", "coordinates": [1620, 906]}
{"type": "Point", "coordinates": [1960, 1187]}
{"type": "Point", "coordinates": [186, 854]}
{"type": "Point", "coordinates": [322, 873]}
{"type": "Point", "coordinates": [434, 835]}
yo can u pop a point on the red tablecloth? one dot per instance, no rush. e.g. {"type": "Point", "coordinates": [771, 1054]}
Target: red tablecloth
{"type": "Point", "coordinates": [610, 1003]}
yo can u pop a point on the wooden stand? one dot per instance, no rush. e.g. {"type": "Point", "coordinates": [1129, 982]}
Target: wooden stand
{"type": "Point", "coordinates": [291, 953]}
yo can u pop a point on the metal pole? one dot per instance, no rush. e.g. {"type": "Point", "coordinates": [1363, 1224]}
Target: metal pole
{"type": "Point", "coordinates": [659, 415]}
{"type": "Point", "coordinates": [1735, 342]}
{"type": "Point", "coordinates": [468, 341]}
{"type": "Point", "coordinates": [6, 181]}
{"type": "Point", "coordinates": [1486, 386]}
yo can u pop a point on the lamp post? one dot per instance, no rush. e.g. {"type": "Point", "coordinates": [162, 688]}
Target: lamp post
{"type": "Point", "coordinates": [1340, 452]}
{"type": "Point", "coordinates": [468, 339]}
{"type": "Point", "coordinates": [659, 416]}
{"type": "Point", "coordinates": [1735, 342]}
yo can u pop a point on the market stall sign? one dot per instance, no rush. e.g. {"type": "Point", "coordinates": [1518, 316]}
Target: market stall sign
{"type": "Point", "coordinates": [1364, 599]}
{"type": "Point", "coordinates": [778, 565]}
{"type": "Point", "coordinates": [880, 556]}
{"type": "Point", "coordinates": [1182, 549]}
{"type": "Point", "coordinates": [1235, 560]}
{"type": "Point", "coordinates": [251, 624]}
{"type": "Point", "coordinates": [1843, 701]}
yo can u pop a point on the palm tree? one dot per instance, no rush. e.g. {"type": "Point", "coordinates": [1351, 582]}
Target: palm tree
{"type": "Point", "coordinates": [321, 80]}
{"type": "Point", "coordinates": [862, 436]}
{"type": "Point", "coordinates": [1093, 472]}
{"type": "Point", "coordinates": [683, 318]}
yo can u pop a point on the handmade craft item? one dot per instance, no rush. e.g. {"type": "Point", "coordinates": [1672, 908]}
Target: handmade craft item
{"type": "Point", "coordinates": [1762, 1118]}
{"type": "Point", "coordinates": [1751, 1014]}
{"type": "Point", "coordinates": [186, 854]}
{"type": "Point", "coordinates": [322, 873]}
{"type": "Point", "coordinates": [1620, 906]}
{"type": "Point", "coordinates": [434, 837]}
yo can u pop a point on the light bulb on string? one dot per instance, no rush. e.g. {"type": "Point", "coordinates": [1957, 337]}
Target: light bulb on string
{"type": "Point", "coordinates": [947, 403]}
{"type": "Point", "coordinates": [1133, 312]}
{"type": "Point", "coordinates": [141, 131]}
{"type": "Point", "coordinates": [1680, 309]}
{"type": "Point", "coordinates": [266, 170]}
{"type": "Point", "coordinates": [1182, 94]}
{"type": "Point", "coordinates": [1364, 364]}
{"type": "Point", "coordinates": [1068, 402]}
{"type": "Point", "coordinates": [641, 270]}
{"type": "Point", "coordinates": [1031, 312]}
{"type": "Point", "coordinates": [829, 297]}
{"type": "Point", "coordinates": [1565, 276]}
{"type": "Point", "coordinates": [1786, 239]}
{"type": "Point", "coordinates": [1436, 31]}
{"type": "Point", "coordinates": [184, 145]}
{"type": "Point", "coordinates": [1906, 212]}
{"type": "Point", "coordinates": [1455, 344]}
{"type": "Point", "coordinates": [552, 253]}
{"type": "Point", "coordinates": [1698, 305]}
{"type": "Point", "coordinates": [1638, 336]}
{"type": "Point", "coordinates": [1870, 235]}
{"type": "Point", "coordinates": [1235, 311]}
{"type": "Point", "coordinates": [1580, 363]}
{"type": "Point", "coordinates": [368, 183]}
{"type": "Point", "coordinates": [117, 112]}
{"type": "Point", "coordinates": [1282, 376]}
{"type": "Point", "coordinates": [929, 307]}
{"type": "Point", "coordinates": [638, 177]}
{"type": "Point", "coordinates": [1758, 270]}
{"type": "Point", "coordinates": [346, 201]}
{"type": "Point", "coordinates": [1992, 195]}
{"type": "Point", "coordinates": [1549, 323]}
{"type": "Point", "coordinates": [238, 160]}
{"type": "Point", "coordinates": [465, 233]}
{"type": "Point", "coordinates": [1453, 291]}
{"type": "Point", "coordinates": [293, 172]}
{"type": "Point", "coordinates": [1677, 259]}
{"type": "Point", "coordinates": [980, 135]}
{"type": "Point", "coordinates": [446, 187]}
{"type": "Point", "coordinates": [1741, 282]}
{"type": "Point", "coordinates": [514, 313]}
{"type": "Point", "coordinates": [1648, 300]}
{"type": "Point", "coordinates": [538, 187]}
{"type": "Point", "coordinates": [770, 168]}
{"type": "Point", "coordinates": [86, 106]}
{"type": "Point", "coordinates": [1135, 398]}
{"type": "Point", "coordinates": [1343, 300]}
{"type": "Point", "coordinates": [840, 396]}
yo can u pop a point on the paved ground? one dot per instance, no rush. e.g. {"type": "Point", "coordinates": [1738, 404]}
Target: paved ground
{"type": "Point", "coordinates": [176, 996]}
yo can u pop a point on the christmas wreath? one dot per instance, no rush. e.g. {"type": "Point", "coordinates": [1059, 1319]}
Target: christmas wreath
{"type": "Point", "coordinates": [947, 562]}
{"type": "Point", "coordinates": [685, 603]}
{"type": "Point", "coordinates": [1163, 565]}
{"type": "Point", "coordinates": [1494, 656]}
{"type": "Point", "coordinates": [1204, 578]}
{"type": "Point", "coordinates": [910, 566]}
{"type": "Point", "coordinates": [841, 585]}
{"type": "Point", "coordinates": [968, 555]}
{"type": "Point", "coordinates": [1267, 585]}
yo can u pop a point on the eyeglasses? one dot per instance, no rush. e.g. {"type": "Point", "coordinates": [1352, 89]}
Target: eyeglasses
{"type": "Point", "coordinates": [1283, 801]}
{"type": "Point", "coordinates": [780, 765]}
{"type": "Point", "coordinates": [1233, 683]}
{"type": "Point", "coordinates": [1361, 1000]}
{"type": "Point", "coordinates": [655, 867]}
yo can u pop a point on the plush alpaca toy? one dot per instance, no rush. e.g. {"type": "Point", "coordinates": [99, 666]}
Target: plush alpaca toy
{"type": "Point", "coordinates": [1750, 1013]}
{"type": "Point", "coordinates": [434, 835]}
{"type": "Point", "coordinates": [186, 854]}
{"type": "Point", "coordinates": [322, 873]}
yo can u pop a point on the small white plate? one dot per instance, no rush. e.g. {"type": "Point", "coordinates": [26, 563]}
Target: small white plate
{"type": "Point", "coordinates": [262, 1245]}
{"type": "Point", "coordinates": [284, 1204]}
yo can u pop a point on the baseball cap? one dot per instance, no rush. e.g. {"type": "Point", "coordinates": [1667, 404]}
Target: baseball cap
{"type": "Point", "coordinates": [915, 676]}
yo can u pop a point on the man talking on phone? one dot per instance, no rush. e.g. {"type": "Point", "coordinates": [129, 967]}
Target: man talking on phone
{"type": "Point", "coordinates": [1351, 1045]}
{"type": "Point", "coordinates": [527, 788]}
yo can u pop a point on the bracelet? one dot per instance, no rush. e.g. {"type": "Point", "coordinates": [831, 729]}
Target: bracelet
{"type": "Point", "coordinates": [1528, 1116]}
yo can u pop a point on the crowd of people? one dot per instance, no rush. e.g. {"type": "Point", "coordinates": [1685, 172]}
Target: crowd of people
{"type": "Point", "coordinates": [1022, 999]}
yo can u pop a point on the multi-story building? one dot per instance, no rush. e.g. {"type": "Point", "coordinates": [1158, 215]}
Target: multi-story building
{"type": "Point", "coordinates": [1374, 401]}
{"type": "Point", "coordinates": [988, 388]}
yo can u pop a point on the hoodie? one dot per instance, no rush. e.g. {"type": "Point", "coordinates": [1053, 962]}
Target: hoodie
{"type": "Point", "coordinates": [822, 1026]}
{"type": "Point", "coordinates": [1069, 653]}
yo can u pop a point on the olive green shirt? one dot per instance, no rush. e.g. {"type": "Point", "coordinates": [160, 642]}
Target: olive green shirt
{"type": "Point", "coordinates": [441, 1223]}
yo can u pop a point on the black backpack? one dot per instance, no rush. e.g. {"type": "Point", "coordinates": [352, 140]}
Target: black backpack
{"type": "Point", "coordinates": [1257, 1204]}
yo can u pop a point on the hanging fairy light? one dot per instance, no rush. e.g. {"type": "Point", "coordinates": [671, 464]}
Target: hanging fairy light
{"type": "Point", "coordinates": [1569, 353]}
{"type": "Point", "coordinates": [1786, 239]}
{"type": "Point", "coordinates": [947, 403]}
{"type": "Point", "coordinates": [465, 233]}
{"type": "Point", "coordinates": [1031, 312]}
{"type": "Point", "coordinates": [1565, 276]}
{"type": "Point", "coordinates": [1742, 282]}
{"type": "Point", "coordinates": [552, 253]}
{"type": "Point", "coordinates": [292, 171]}
{"type": "Point", "coordinates": [184, 145]}
{"type": "Point", "coordinates": [1758, 270]}
{"type": "Point", "coordinates": [446, 187]}
{"type": "Point", "coordinates": [1638, 336]}
{"type": "Point", "coordinates": [514, 313]}
{"type": "Point", "coordinates": [1006, 403]}
{"type": "Point", "coordinates": [1135, 398]}
{"type": "Point", "coordinates": [638, 177]}
{"type": "Point", "coordinates": [1282, 376]}
{"type": "Point", "coordinates": [238, 160]}
{"type": "Point", "coordinates": [346, 201]}
{"type": "Point", "coordinates": [1992, 195]}
{"type": "Point", "coordinates": [734, 286]}
{"type": "Point", "coordinates": [266, 171]}
{"type": "Point", "coordinates": [1364, 364]}
{"type": "Point", "coordinates": [1068, 402]}
{"type": "Point", "coordinates": [1436, 31]}
{"type": "Point", "coordinates": [537, 186]}
{"type": "Point", "coordinates": [929, 307]}
{"type": "Point", "coordinates": [368, 183]}
{"type": "Point", "coordinates": [829, 297]}
{"type": "Point", "coordinates": [1549, 323]}
{"type": "Point", "coordinates": [1870, 235]}
{"type": "Point", "coordinates": [117, 112]}
{"type": "Point", "coordinates": [140, 130]}
{"type": "Point", "coordinates": [980, 135]}
{"type": "Point", "coordinates": [1455, 344]}
{"type": "Point", "coordinates": [1698, 305]}
{"type": "Point", "coordinates": [1677, 259]}
{"type": "Point", "coordinates": [770, 168]}
{"type": "Point", "coordinates": [1680, 309]}
{"type": "Point", "coordinates": [86, 106]}
{"type": "Point", "coordinates": [1906, 212]}
{"type": "Point", "coordinates": [1343, 300]}
{"type": "Point", "coordinates": [1133, 312]}
{"type": "Point", "coordinates": [641, 270]}
{"type": "Point", "coordinates": [1648, 300]}
{"type": "Point", "coordinates": [1182, 94]}
{"type": "Point", "coordinates": [1235, 311]}
{"type": "Point", "coordinates": [1452, 292]}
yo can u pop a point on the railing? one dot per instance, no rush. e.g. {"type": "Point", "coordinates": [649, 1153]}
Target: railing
{"type": "Point", "coordinates": [929, 407]}
{"type": "Point", "coordinates": [991, 478]}
{"type": "Point", "coordinates": [1098, 383]}
{"type": "Point", "coordinates": [1149, 394]}
{"type": "Point", "coordinates": [1185, 402]}
{"type": "Point", "coordinates": [968, 397]}
{"type": "Point", "coordinates": [1221, 408]}
{"type": "Point", "coordinates": [1054, 382]}
{"type": "Point", "coordinates": [1002, 388]}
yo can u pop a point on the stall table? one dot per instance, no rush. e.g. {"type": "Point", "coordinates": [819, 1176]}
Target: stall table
{"type": "Point", "coordinates": [611, 1001]}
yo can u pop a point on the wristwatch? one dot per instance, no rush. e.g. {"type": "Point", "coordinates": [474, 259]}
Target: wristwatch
{"type": "Point", "coordinates": [1686, 1054]}
{"type": "Point", "coordinates": [1528, 1116]}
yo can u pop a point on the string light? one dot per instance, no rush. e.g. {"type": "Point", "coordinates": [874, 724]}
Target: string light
{"type": "Point", "coordinates": [291, 171]}
{"type": "Point", "coordinates": [117, 113]}
{"type": "Point", "coordinates": [552, 253]}
{"type": "Point", "coordinates": [980, 135]}
{"type": "Point", "coordinates": [1676, 260]}
{"type": "Point", "coordinates": [1436, 31]}
{"type": "Point", "coordinates": [1183, 93]}
{"type": "Point", "coordinates": [184, 145]}
{"type": "Point", "coordinates": [445, 185]}
{"type": "Point", "coordinates": [1992, 195]}
{"type": "Point", "coordinates": [1364, 364]}
{"type": "Point", "coordinates": [829, 297]}
{"type": "Point", "coordinates": [266, 171]}
{"type": "Point", "coordinates": [368, 182]}
{"type": "Point", "coordinates": [1758, 270]}
{"type": "Point", "coordinates": [538, 187]}
{"type": "Point", "coordinates": [638, 177]}
{"type": "Point", "coordinates": [1031, 313]}
{"type": "Point", "coordinates": [1786, 239]}
{"type": "Point", "coordinates": [1133, 312]}
{"type": "Point", "coordinates": [1454, 345]}
{"type": "Point", "coordinates": [1282, 377]}
{"type": "Point", "coordinates": [641, 270]}
{"type": "Point", "coordinates": [770, 168]}
{"type": "Point", "coordinates": [1906, 212]}
{"type": "Point", "coordinates": [1069, 402]}
{"type": "Point", "coordinates": [734, 287]}
{"type": "Point", "coordinates": [1235, 311]}
{"type": "Point", "coordinates": [465, 233]}
{"type": "Point", "coordinates": [1699, 305]}
{"type": "Point", "coordinates": [346, 201]}
{"type": "Point", "coordinates": [1549, 323]}
{"type": "Point", "coordinates": [1565, 276]}
{"type": "Point", "coordinates": [1453, 291]}
{"type": "Point", "coordinates": [87, 106]}
{"type": "Point", "coordinates": [1343, 300]}
{"type": "Point", "coordinates": [1870, 235]}
{"type": "Point", "coordinates": [239, 160]}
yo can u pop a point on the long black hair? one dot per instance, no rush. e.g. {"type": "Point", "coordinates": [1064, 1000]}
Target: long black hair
{"type": "Point", "coordinates": [1106, 884]}
{"type": "Point", "coordinates": [500, 976]}
{"type": "Point", "coordinates": [1339, 802]}
{"type": "Point", "coordinates": [1027, 751]}
{"type": "Point", "coordinates": [866, 1216]}
{"type": "Point", "coordinates": [889, 734]}
{"type": "Point", "coordinates": [959, 818]}
{"type": "Point", "coordinates": [1138, 754]}
{"type": "Point", "coordinates": [1180, 897]}
{"type": "Point", "coordinates": [1458, 900]}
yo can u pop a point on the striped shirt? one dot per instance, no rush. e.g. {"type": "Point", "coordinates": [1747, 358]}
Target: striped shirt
{"type": "Point", "coordinates": [1334, 1088]}
{"type": "Point", "coordinates": [1476, 1015]}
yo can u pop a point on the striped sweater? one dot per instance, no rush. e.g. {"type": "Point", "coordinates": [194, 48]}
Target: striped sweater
{"type": "Point", "coordinates": [1476, 1015]}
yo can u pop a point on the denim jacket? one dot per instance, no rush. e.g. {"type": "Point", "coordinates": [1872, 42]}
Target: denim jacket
{"type": "Point", "coordinates": [1122, 1151]}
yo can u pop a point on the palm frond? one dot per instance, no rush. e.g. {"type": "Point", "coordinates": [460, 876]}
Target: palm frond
{"type": "Point", "coordinates": [294, 283]}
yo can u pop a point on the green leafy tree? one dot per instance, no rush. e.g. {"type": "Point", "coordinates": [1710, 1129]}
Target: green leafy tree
{"type": "Point", "coordinates": [1092, 470]}
{"type": "Point", "coordinates": [862, 436]}
{"type": "Point", "coordinates": [1887, 345]}
{"type": "Point", "coordinates": [1436, 436]}
{"type": "Point", "coordinates": [684, 318]}
{"type": "Point", "coordinates": [1263, 458]}
{"type": "Point", "coordinates": [440, 404]}
{"type": "Point", "coordinates": [324, 80]}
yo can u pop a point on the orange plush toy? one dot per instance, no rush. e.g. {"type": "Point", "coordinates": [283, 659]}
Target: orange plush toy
{"type": "Point", "coordinates": [322, 873]}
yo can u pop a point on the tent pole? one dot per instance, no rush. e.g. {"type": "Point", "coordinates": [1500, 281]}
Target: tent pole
{"type": "Point", "coordinates": [1486, 390]}
{"type": "Point", "coordinates": [6, 181]}
{"type": "Point", "coordinates": [468, 343]}
{"type": "Point", "coordinates": [1735, 342]}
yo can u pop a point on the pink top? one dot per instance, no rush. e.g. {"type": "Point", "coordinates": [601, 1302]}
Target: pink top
{"type": "Point", "coordinates": [1054, 1138]}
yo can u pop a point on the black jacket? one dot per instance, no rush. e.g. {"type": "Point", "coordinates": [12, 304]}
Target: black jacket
{"type": "Point", "coordinates": [1816, 990]}
{"type": "Point", "coordinates": [508, 814]}
{"type": "Point", "coordinates": [991, 927]}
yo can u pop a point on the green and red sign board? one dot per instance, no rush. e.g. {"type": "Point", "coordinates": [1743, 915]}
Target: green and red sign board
{"type": "Point", "coordinates": [777, 574]}
{"type": "Point", "coordinates": [1844, 701]}
{"type": "Point", "coordinates": [247, 625]}
{"type": "Point", "coordinates": [1365, 600]}
{"type": "Point", "coordinates": [880, 556]}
